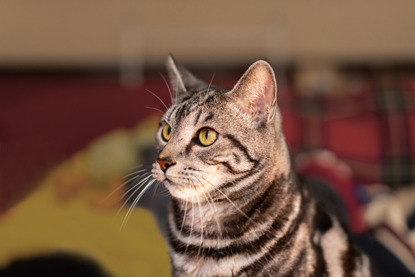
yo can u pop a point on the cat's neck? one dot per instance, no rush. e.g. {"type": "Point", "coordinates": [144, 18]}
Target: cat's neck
{"type": "Point", "coordinates": [234, 214]}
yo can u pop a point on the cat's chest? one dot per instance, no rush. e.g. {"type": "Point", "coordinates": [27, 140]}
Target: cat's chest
{"type": "Point", "coordinates": [196, 266]}
{"type": "Point", "coordinates": [250, 262]}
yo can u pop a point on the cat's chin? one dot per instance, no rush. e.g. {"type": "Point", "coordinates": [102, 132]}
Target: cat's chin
{"type": "Point", "coordinates": [176, 190]}
{"type": "Point", "coordinates": [184, 193]}
{"type": "Point", "coordinates": [169, 183]}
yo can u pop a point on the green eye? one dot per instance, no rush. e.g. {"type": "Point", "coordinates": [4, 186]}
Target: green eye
{"type": "Point", "coordinates": [207, 136]}
{"type": "Point", "coordinates": [166, 132]}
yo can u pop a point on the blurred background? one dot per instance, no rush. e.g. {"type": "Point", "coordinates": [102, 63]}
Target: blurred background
{"type": "Point", "coordinates": [78, 114]}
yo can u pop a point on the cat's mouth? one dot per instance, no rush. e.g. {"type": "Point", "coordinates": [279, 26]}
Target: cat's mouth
{"type": "Point", "coordinates": [167, 181]}
{"type": "Point", "coordinates": [162, 177]}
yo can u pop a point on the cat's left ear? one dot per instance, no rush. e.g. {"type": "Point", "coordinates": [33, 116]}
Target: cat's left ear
{"type": "Point", "coordinates": [181, 80]}
{"type": "Point", "coordinates": [255, 94]}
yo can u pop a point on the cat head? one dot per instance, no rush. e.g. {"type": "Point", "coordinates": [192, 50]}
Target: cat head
{"type": "Point", "coordinates": [212, 139]}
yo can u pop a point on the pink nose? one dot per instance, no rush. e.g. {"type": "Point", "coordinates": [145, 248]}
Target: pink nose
{"type": "Point", "coordinates": [164, 164]}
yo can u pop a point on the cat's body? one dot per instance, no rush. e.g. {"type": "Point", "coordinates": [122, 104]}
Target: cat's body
{"type": "Point", "coordinates": [237, 208]}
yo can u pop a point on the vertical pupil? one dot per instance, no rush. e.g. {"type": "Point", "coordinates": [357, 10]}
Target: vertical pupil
{"type": "Point", "coordinates": [207, 134]}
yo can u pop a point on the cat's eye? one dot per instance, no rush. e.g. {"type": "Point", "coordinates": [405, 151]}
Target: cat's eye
{"type": "Point", "coordinates": [166, 132]}
{"type": "Point", "coordinates": [207, 136]}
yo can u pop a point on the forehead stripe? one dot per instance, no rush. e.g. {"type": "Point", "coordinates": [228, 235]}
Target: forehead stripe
{"type": "Point", "coordinates": [180, 112]}
{"type": "Point", "coordinates": [239, 145]}
{"type": "Point", "coordinates": [209, 117]}
{"type": "Point", "coordinates": [199, 112]}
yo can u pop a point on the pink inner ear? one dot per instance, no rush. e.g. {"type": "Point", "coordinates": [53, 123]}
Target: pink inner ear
{"type": "Point", "coordinates": [264, 86]}
{"type": "Point", "coordinates": [257, 89]}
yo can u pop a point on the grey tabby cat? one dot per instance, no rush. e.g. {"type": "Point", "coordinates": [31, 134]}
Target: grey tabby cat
{"type": "Point", "coordinates": [237, 208]}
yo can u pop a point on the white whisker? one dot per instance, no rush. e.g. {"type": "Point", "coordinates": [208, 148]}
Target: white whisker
{"type": "Point", "coordinates": [211, 208]}
{"type": "Point", "coordinates": [137, 184]}
{"type": "Point", "coordinates": [152, 108]}
{"type": "Point", "coordinates": [184, 217]}
{"type": "Point", "coordinates": [155, 95]}
{"type": "Point", "coordinates": [201, 223]}
{"type": "Point", "coordinates": [191, 226]}
{"type": "Point", "coordinates": [122, 185]}
{"type": "Point", "coordinates": [168, 87]}
{"type": "Point", "coordinates": [229, 200]}
{"type": "Point", "coordinates": [135, 203]}
{"type": "Point", "coordinates": [135, 172]}
{"type": "Point", "coordinates": [136, 187]}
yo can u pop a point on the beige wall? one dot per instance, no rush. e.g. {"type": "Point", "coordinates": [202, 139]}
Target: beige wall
{"type": "Point", "coordinates": [77, 32]}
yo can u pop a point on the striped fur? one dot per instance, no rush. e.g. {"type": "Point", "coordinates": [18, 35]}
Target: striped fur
{"type": "Point", "coordinates": [237, 208]}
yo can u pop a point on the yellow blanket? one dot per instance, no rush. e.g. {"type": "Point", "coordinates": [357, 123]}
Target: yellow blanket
{"type": "Point", "coordinates": [75, 209]}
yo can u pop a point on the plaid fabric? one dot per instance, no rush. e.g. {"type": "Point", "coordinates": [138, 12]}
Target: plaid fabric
{"type": "Point", "coordinates": [373, 130]}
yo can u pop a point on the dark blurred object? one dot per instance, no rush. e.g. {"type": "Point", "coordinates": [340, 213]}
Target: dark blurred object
{"type": "Point", "coordinates": [54, 265]}
{"type": "Point", "coordinates": [387, 264]}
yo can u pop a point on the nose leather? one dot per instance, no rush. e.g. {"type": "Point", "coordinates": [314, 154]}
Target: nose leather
{"type": "Point", "coordinates": [164, 164]}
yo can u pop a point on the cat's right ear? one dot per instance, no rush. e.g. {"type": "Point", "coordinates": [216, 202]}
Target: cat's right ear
{"type": "Point", "coordinates": [181, 80]}
{"type": "Point", "coordinates": [255, 94]}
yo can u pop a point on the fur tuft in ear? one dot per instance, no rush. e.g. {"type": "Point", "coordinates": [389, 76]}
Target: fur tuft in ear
{"type": "Point", "coordinates": [181, 80]}
{"type": "Point", "coordinates": [255, 94]}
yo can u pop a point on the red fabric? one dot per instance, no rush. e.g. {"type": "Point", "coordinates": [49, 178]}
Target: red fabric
{"type": "Point", "coordinates": [354, 139]}
{"type": "Point", "coordinates": [373, 131]}
{"type": "Point", "coordinates": [411, 122]}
